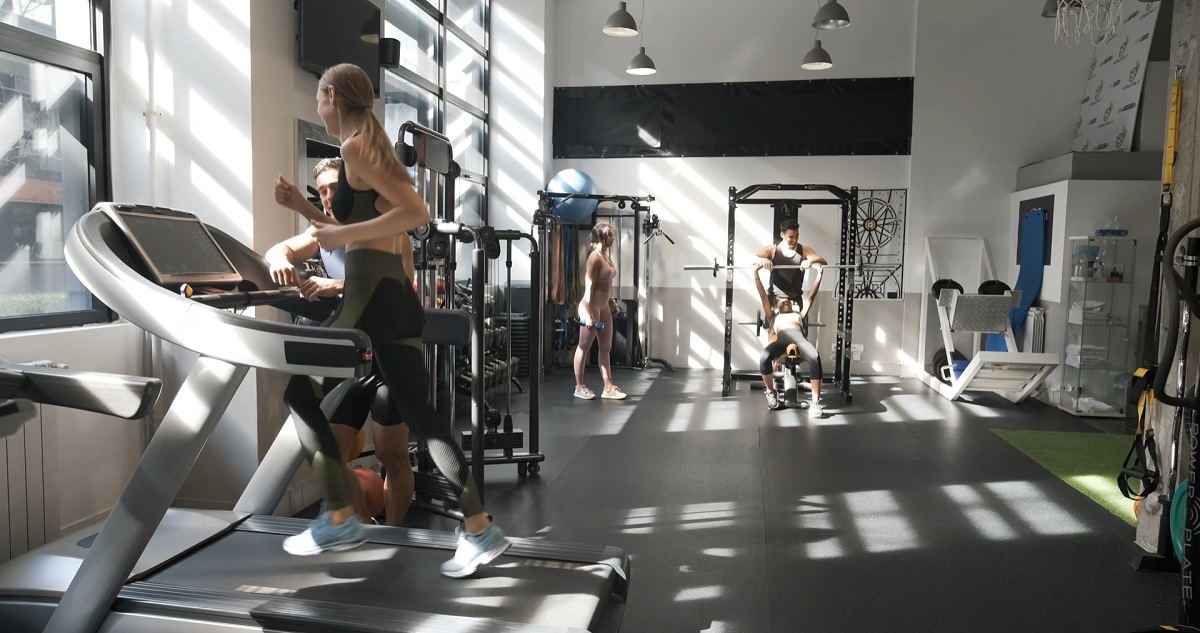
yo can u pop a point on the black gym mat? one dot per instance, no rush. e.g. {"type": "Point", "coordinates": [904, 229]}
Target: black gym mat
{"type": "Point", "coordinates": [900, 512]}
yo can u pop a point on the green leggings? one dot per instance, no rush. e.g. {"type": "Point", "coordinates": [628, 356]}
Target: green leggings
{"type": "Point", "coordinates": [379, 299]}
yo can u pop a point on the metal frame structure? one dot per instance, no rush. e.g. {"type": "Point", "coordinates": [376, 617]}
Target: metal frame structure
{"type": "Point", "coordinates": [844, 291]}
{"type": "Point", "coordinates": [433, 156]}
{"type": "Point", "coordinates": [1013, 375]}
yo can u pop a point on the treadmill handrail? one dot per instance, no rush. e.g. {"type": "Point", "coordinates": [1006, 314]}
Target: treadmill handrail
{"type": "Point", "coordinates": [212, 332]}
{"type": "Point", "coordinates": [123, 396]}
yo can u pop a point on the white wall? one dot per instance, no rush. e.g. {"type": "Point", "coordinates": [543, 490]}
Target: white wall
{"type": "Point", "coordinates": [993, 93]}
{"type": "Point", "coordinates": [88, 456]}
{"type": "Point", "coordinates": [519, 117]}
{"type": "Point", "coordinates": [983, 106]}
{"type": "Point", "coordinates": [703, 41]}
{"type": "Point", "coordinates": [708, 41]}
{"type": "Point", "coordinates": [190, 63]}
{"type": "Point", "coordinates": [1081, 207]}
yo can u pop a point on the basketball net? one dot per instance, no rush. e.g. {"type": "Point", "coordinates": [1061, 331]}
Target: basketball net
{"type": "Point", "coordinates": [1099, 20]}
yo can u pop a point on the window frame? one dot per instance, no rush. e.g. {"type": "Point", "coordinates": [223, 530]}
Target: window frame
{"type": "Point", "coordinates": [95, 138]}
{"type": "Point", "coordinates": [442, 94]}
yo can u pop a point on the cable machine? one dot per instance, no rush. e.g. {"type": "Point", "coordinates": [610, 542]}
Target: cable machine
{"type": "Point", "coordinates": [844, 291]}
{"type": "Point", "coordinates": [430, 152]}
{"type": "Point", "coordinates": [545, 223]}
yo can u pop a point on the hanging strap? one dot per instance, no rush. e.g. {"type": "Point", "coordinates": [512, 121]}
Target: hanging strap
{"type": "Point", "coordinates": [1144, 451]}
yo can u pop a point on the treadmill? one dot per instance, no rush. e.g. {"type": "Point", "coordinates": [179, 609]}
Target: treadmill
{"type": "Point", "coordinates": [153, 568]}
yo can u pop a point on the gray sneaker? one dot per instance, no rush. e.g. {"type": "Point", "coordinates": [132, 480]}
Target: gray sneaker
{"type": "Point", "coordinates": [772, 399]}
{"type": "Point", "coordinates": [323, 536]}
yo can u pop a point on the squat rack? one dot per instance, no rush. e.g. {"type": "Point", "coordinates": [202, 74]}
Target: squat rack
{"type": "Point", "coordinates": [844, 291]}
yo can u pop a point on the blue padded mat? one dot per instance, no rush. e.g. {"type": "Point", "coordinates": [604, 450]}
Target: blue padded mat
{"type": "Point", "coordinates": [1029, 279]}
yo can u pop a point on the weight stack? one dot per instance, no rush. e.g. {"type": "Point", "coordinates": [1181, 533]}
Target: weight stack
{"type": "Point", "coordinates": [522, 343]}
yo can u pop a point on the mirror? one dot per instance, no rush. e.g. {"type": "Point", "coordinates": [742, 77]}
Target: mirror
{"type": "Point", "coordinates": [312, 145]}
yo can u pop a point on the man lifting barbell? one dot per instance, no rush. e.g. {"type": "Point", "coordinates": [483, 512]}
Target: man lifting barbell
{"type": "Point", "coordinates": [793, 261]}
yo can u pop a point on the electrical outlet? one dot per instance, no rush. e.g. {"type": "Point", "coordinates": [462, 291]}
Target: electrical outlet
{"type": "Point", "coordinates": [856, 351]}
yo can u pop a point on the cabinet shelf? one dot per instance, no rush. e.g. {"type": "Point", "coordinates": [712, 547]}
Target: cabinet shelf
{"type": "Point", "coordinates": [1103, 311]}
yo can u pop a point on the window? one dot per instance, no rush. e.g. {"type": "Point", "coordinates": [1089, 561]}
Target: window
{"type": "Point", "coordinates": [442, 83]}
{"type": "Point", "coordinates": [53, 158]}
{"type": "Point", "coordinates": [68, 21]}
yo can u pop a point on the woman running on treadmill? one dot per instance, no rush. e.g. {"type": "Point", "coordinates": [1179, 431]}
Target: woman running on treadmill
{"type": "Point", "coordinates": [787, 326]}
{"type": "Point", "coordinates": [368, 397]}
{"type": "Point", "coordinates": [375, 204]}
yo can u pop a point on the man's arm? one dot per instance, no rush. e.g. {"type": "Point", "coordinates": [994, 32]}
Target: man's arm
{"type": "Point", "coordinates": [817, 263]}
{"type": "Point", "coordinates": [283, 257]}
{"type": "Point", "coordinates": [765, 255]}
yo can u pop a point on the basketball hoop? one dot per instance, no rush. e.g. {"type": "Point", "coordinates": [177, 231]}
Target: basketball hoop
{"type": "Point", "coordinates": [1099, 20]}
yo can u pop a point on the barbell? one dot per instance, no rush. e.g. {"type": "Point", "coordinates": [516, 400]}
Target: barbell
{"type": "Point", "coordinates": [760, 323]}
{"type": "Point", "coordinates": [716, 266]}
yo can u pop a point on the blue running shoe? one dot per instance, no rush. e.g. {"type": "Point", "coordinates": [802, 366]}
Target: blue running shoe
{"type": "Point", "coordinates": [474, 551]}
{"type": "Point", "coordinates": [323, 536]}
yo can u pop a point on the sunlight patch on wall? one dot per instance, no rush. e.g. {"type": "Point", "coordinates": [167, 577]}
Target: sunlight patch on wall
{"type": "Point", "coordinates": [165, 147]}
{"type": "Point", "coordinates": [220, 39]}
{"type": "Point", "coordinates": [238, 9]}
{"type": "Point", "coordinates": [512, 24]}
{"type": "Point", "coordinates": [515, 157]}
{"type": "Point", "coordinates": [139, 66]}
{"type": "Point", "coordinates": [222, 201]}
{"type": "Point", "coordinates": [209, 127]}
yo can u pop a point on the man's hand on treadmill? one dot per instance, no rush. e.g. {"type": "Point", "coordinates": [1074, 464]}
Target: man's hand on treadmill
{"type": "Point", "coordinates": [315, 288]}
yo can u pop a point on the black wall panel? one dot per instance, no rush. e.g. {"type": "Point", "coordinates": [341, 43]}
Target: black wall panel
{"type": "Point", "coordinates": [834, 117]}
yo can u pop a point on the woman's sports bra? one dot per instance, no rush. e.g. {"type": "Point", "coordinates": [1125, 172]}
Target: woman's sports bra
{"type": "Point", "coordinates": [351, 206]}
{"type": "Point", "coordinates": [785, 319]}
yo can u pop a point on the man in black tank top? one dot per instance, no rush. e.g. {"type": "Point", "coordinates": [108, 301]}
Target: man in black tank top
{"type": "Point", "coordinates": [789, 282]}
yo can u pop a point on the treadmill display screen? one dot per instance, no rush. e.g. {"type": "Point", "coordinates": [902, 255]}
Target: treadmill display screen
{"type": "Point", "coordinates": [178, 248]}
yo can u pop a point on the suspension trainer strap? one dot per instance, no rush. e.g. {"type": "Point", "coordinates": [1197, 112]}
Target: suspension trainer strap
{"type": "Point", "coordinates": [1141, 462]}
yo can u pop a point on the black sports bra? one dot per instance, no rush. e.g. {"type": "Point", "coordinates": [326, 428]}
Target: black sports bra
{"type": "Point", "coordinates": [351, 206]}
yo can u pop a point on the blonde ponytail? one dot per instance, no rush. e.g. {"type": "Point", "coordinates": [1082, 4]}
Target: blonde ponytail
{"type": "Point", "coordinates": [356, 94]}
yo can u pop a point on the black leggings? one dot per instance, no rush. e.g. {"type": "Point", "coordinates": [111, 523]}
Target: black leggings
{"type": "Point", "coordinates": [779, 346]}
{"type": "Point", "coordinates": [379, 300]}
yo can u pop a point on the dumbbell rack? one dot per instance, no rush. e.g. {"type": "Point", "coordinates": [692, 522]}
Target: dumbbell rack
{"type": "Point", "coordinates": [1011, 374]}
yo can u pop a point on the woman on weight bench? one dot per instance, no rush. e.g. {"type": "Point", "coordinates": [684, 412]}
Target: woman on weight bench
{"type": "Point", "coordinates": [786, 327]}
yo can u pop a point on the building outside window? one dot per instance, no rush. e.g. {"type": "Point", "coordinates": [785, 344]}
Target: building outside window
{"type": "Point", "coordinates": [53, 156]}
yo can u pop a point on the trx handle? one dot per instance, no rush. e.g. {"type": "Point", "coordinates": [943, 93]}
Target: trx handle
{"type": "Point", "coordinates": [1136, 465]}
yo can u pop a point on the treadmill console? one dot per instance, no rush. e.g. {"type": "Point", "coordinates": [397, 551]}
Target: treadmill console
{"type": "Point", "coordinates": [176, 247]}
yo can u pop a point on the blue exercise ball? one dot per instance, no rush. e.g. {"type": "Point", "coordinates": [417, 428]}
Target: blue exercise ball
{"type": "Point", "coordinates": [573, 210]}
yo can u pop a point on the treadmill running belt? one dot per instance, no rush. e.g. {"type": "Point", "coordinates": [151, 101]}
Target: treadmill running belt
{"type": "Point", "coordinates": [511, 589]}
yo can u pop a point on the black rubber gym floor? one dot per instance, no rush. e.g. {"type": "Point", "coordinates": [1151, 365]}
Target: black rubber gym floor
{"type": "Point", "coordinates": [899, 512]}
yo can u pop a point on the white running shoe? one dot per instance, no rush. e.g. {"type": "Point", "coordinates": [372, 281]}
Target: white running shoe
{"type": "Point", "coordinates": [475, 550]}
{"type": "Point", "coordinates": [816, 410]}
{"type": "Point", "coordinates": [583, 393]}
{"type": "Point", "coordinates": [613, 393]}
